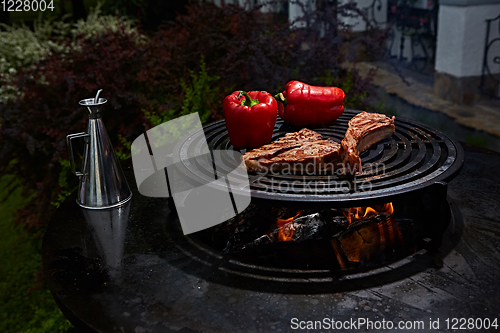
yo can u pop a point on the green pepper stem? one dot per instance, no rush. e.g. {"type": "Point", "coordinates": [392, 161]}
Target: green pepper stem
{"type": "Point", "coordinates": [248, 100]}
{"type": "Point", "coordinates": [280, 98]}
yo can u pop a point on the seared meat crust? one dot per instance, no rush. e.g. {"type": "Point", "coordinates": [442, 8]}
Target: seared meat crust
{"type": "Point", "coordinates": [364, 130]}
{"type": "Point", "coordinates": [303, 151]}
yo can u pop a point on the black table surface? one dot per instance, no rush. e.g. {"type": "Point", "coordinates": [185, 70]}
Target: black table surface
{"type": "Point", "coordinates": [131, 270]}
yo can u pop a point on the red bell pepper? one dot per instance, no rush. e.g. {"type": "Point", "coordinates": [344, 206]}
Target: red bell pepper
{"type": "Point", "coordinates": [250, 118]}
{"type": "Point", "coordinates": [303, 105]}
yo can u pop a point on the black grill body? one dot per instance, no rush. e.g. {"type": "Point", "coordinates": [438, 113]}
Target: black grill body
{"type": "Point", "coordinates": [411, 169]}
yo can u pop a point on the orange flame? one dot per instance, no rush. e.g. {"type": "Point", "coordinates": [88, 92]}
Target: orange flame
{"type": "Point", "coordinates": [285, 228]}
{"type": "Point", "coordinates": [360, 213]}
{"type": "Point", "coordinates": [389, 208]}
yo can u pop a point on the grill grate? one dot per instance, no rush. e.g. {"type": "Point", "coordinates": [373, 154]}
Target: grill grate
{"type": "Point", "coordinates": [415, 157]}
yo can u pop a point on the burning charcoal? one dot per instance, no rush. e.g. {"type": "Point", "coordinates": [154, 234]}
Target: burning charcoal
{"type": "Point", "coordinates": [337, 222]}
{"type": "Point", "coordinates": [366, 240]}
{"type": "Point", "coordinates": [297, 229]}
{"type": "Point", "coordinates": [262, 240]}
{"type": "Point", "coordinates": [243, 228]}
{"type": "Point", "coordinates": [304, 228]}
{"type": "Point", "coordinates": [354, 214]}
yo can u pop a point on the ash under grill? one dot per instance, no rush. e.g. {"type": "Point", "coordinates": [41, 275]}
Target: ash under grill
{"type": "Point", "coordinates": [415, 157]}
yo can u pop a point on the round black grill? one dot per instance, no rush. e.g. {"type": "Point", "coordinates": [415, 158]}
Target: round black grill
{"type": "Point", "coordinates": [415, 157]}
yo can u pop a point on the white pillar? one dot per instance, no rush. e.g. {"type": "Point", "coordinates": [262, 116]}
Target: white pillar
{"type": "Point", "coordinates": [461, 38]}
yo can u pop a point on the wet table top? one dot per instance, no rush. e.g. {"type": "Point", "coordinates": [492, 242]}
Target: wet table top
{"type": "Point", "coordinates": [131, 269]}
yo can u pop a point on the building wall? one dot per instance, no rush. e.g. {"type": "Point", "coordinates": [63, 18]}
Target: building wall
{"type": "Point", "coordinates": [461, 38]}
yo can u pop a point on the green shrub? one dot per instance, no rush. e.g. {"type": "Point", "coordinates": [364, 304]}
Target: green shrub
{"type": "Point", "coordinates": [23, 47]}
{"type": "Point", "coordinates": [48, 319]}
{"type": "Point", "coordinates": [201, 94]}
{"type": "Point", "coordinates": [97, 24]}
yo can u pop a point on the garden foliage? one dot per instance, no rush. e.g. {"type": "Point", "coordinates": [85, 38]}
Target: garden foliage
{"type": "Point", "coordinates": [26, 304]}
{"type": "Point", "coordinates": [188, 65]}
{"type": "Point", "coordinates": [23, 47]}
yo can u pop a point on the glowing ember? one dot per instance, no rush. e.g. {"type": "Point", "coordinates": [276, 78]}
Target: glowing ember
{"type": "Point", "coordinates": [365, 241]}
{"type": "Point", "coordinates": [285, 228]}
{"type": "Point", "coordinates": [360, 213]}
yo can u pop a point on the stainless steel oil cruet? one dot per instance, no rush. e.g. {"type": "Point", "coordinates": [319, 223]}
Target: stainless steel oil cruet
{"type": "Point", "coordinates": [102, 182]}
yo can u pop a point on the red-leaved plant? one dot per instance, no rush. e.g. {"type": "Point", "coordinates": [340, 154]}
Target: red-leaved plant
{"type": "Point", "coordinates": [239, 49]}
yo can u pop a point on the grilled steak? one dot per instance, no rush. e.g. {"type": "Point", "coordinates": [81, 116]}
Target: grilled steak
{"type": "Point", "coordinates": [304, 135]}
{"type": "Point", "coordinates": [364, 130]}
{"type": "Point", "coordinates": [306, 151]}
{"type": "Point", "coordinates": [303, 151]}
{"type": "Point", "coordinates": [321, 155]}
{"type": "Point", "coordinates": [289, 141]}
